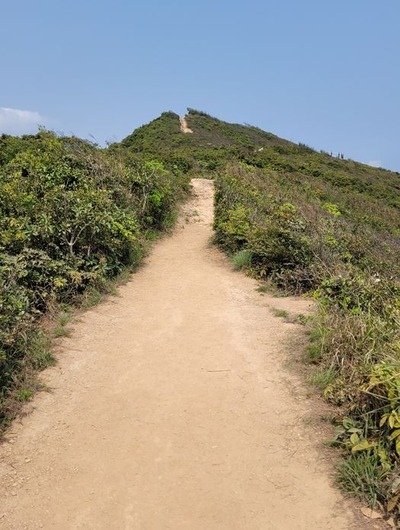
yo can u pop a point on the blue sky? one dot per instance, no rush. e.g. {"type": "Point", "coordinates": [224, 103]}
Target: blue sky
{"type": "Point", "coordinates": [323, 73]}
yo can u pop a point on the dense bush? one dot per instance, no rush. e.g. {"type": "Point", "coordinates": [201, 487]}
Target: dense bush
{"type": "Point", "coordinates": [71, 216]}
{"type": "Point", "coordinates": [268, 227]}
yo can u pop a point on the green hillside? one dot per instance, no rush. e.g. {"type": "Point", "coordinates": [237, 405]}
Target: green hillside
{"type": "Point", "coordinates": [322, 225]}
{"type": "Point", "coordinates": [213, 143]}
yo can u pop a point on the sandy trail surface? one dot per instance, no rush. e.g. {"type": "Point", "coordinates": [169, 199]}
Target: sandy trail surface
{"type": "Point", "coordinates": [184, 125]}
{"type": "Point", "coordinates": [171, 408]}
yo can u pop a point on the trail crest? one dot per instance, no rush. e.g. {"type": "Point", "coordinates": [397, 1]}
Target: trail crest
{"type": "Point", "coordinates": [184, 126]}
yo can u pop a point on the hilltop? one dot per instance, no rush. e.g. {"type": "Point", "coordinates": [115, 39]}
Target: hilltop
{"type": "Point", "coordinates": [368, 194]}
{"type": "Point", "coordinates": [164, 134]}
{"type": "Point", "coordinates": [215, 142]}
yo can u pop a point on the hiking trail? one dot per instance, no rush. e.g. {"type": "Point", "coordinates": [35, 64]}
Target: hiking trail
{"type": "Point", "coordinates": [184, 125]}
{"type": "Point", "coordinates": [171, 407]}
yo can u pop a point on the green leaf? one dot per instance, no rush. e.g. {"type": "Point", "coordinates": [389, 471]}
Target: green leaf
{"type": "Point", "coordinates": [394, 434]}
{"type": "Point", "coordinates": [383, 420]}
{"type": "Point", "coordinates": [354, 438]}
{"type": "Point", "coordinates": [364, 445]}
{"type": "Point", "coordinates": [392, 503]}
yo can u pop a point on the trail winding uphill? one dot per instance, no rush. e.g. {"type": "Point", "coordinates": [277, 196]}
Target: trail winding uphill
{"type": "Point", "coordinates": [171, 408]}
{"type": "Point", "coordinates": [184, 125]}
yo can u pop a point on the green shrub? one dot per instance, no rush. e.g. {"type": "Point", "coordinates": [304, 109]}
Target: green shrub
{"type": "Point", "coordinates": [242, 259]}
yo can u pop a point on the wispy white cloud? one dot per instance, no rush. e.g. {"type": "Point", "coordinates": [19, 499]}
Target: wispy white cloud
{"type": "Point", "coordinates": [375, 163]}
{"type": "Point", "coordinates": [16, 121]}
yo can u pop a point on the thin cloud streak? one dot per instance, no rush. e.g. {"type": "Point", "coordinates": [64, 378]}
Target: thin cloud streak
{"type": "Point", "coordinates": [17, 121]}
{"type": "Point", "coordinates": [375, 163]}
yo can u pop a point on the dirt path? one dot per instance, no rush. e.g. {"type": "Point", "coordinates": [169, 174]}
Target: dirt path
{"type": "Point", "coordinates": [184, 126]}
{"type": "Point", "coordinates": [172, 409]}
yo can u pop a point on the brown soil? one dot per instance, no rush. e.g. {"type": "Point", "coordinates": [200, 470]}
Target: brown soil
{"type": "Point", "coordinates": [171, 408]}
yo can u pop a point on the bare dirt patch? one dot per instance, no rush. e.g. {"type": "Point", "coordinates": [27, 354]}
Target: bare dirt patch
{"type": "Point", "coordinates": [184, 126]}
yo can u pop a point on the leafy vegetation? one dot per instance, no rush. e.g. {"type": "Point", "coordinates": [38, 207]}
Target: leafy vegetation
{"type": "Point", "coordinates": [72, 216]}
{"type": "Point", "coordinates": [322, 225]}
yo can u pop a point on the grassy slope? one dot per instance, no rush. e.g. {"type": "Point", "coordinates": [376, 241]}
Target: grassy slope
{"type": "Point", "coordinates": [318, 224]}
